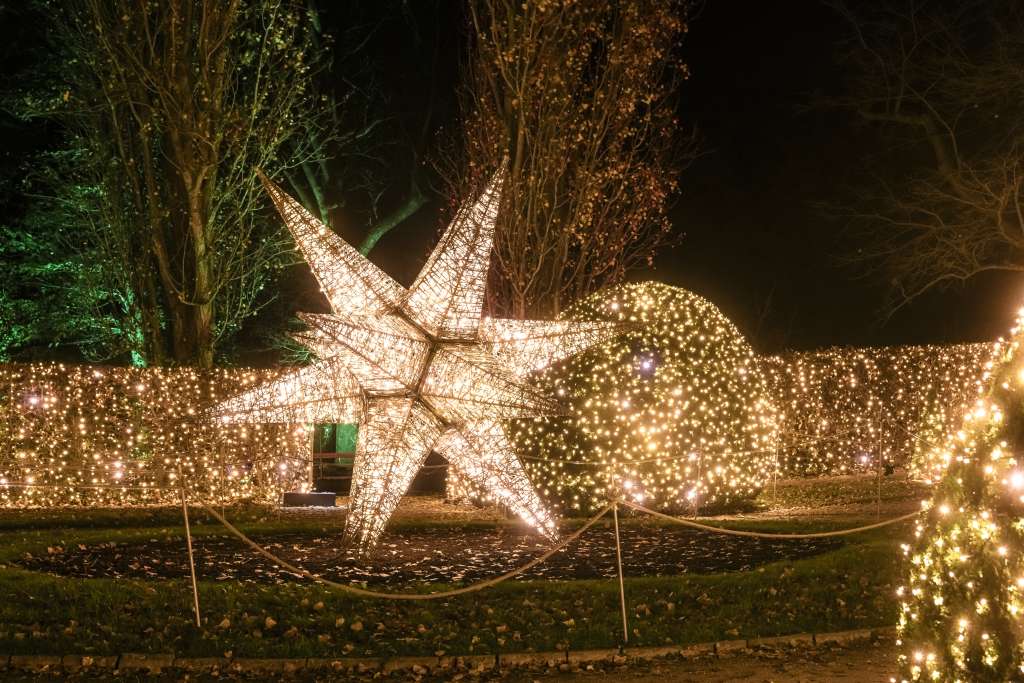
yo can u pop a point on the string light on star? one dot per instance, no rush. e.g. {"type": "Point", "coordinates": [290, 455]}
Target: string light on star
{"type": "Point", "coordinates": [417, 369]}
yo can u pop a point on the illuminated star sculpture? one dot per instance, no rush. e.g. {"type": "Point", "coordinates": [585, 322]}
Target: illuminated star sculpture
{"type": "Point", "coordinates": [419, 370]}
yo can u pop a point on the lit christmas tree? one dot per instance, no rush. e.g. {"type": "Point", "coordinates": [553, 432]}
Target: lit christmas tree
{"type": "Point", "coordinates": [961, 608]}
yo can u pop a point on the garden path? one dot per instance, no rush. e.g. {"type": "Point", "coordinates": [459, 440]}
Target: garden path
{"type": "Point", "coordinates": [858, 664]}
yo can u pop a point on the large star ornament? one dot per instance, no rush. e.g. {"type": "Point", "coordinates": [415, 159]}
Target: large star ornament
{"type": "Point", "coordinates": [417, 369]}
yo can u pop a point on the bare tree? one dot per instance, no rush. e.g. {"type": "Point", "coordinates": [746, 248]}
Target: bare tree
{"type": "Point", "coordinates": [174, 104]}
{"type": "Point", "coordinates": [578, 97]}
{"type": "Point", "coordinates": [943, 82]}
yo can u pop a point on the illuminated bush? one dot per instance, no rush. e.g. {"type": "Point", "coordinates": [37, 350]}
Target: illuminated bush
{"type": "Point", "coordinates": [962, 616]}
{"type": "Point", "coordinates": [674, 412]}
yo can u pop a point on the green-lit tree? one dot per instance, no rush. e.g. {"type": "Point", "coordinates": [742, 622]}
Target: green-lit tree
{"type": "Point", "coordinates": [54, 299]}
{"type": "Point", "coordinates": [54, 292]}
{"type": "Point", "coordinates": [166, 108]}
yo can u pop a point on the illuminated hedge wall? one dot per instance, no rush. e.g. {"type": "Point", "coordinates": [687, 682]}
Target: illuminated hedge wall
{"type": "Point", "coordinates": [841, 406]}
{"type": "Point", "coordinates": [91, 435]}
{"type": "Point", "coordinates": [679, 411]}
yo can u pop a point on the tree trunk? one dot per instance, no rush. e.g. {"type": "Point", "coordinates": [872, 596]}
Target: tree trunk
{"type": "Point", "coordinates": [181, 337]}
{"type": "Point", "coordinates": [202, 296]}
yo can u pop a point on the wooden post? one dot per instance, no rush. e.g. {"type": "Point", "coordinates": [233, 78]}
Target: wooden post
{"type": "Point", "coordinates": [188, 540]}
{"type": "Point", "coordinates": [316, 465]}
{"type": "Point", "coordinates": [696, 496]}
{"type": "Point", "coordinates": [222, 475]}
{"type": "Point", "coordinates": [622, 587]}
{"type": "Point", "coordinates": [878, 468]}
{"type": "Point", "coordinates": [775, 477]}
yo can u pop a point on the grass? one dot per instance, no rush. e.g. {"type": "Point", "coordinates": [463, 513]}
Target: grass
{"type": "Point", "coordinates": [862, 490]}
{"type": "Point", "coordinates": [851, 587]}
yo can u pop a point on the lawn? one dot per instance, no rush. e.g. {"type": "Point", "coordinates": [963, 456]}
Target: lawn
{"type": "Point", "coordinates": [850, 587]}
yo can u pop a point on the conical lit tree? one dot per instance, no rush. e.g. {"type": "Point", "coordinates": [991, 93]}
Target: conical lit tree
{"type": "Point", "coordinates": [962, 606]}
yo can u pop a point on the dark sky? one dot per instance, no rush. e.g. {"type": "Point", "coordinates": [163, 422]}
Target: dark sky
{"type": "Point", "coordinates": [753, 242]}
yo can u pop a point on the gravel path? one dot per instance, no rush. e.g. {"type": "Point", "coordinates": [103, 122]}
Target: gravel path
{"type": "Point", "coordinates": [860, 664]}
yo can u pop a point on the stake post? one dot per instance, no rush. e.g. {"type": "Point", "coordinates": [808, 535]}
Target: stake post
{"type": "Point", "coordinates": [878, 467]}
{"type": "Point", "coordinates": [618, 559]}
{"type": "Point", "coordinates": [188, 540]}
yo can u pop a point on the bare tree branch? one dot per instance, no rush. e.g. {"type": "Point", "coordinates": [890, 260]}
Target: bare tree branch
{"type": "Point", "coordinates": [176, 103]}
{"type": "Point", "coordinates": [946, 81]}
{"type": "Point", "coordinates": [579, 98]}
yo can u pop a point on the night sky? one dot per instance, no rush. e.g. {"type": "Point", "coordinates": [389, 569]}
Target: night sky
{"type": "Point", "coordinates": [752, 239]}
{"type": "Point", "coordinates": [755, 242]}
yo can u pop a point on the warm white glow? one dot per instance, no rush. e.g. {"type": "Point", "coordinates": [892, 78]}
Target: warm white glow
{"type": "Point", "coordinates": [118, 435]}
{"type": "Point", "coordinates": [960, 617]}
{"type": "Point", "coordinates": [418, 370]}
{"type": "Point", "coordinates": [841, 405]}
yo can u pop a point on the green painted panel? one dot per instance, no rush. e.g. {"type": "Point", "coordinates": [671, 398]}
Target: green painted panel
{"type": "Point", "coordinates": [345, 438]}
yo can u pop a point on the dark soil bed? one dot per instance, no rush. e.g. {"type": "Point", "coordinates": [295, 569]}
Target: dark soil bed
{"type": "Point", "coordinates": [446, 555]}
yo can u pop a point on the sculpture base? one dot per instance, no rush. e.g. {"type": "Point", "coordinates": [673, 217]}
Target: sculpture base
{"type": "Point", "coordinates": [294, 499]}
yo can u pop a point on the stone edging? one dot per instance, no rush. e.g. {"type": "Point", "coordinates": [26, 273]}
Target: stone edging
{"type": "Point", "coordinates": [155, 663]}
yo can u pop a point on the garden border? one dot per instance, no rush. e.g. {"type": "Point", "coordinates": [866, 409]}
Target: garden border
{"type": "Point", "coordinates": [155, 663]}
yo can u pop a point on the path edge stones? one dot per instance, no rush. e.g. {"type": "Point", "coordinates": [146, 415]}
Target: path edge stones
{"type": "Point", "coordinates": [156, 663]}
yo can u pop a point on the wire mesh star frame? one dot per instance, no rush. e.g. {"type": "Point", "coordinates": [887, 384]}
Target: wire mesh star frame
{"type": "Point", "coordinates": [418, 370]}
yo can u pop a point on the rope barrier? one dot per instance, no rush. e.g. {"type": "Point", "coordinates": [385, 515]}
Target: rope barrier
{"type": "Point", "coordinates": [363, 592]}
{"type": "Point", "coordinates": [760, 534]}
{"type": "Point", "coordinates": [919, 439]}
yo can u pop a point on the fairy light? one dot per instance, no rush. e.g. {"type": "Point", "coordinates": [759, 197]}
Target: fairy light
{"type": "Point", "coordinates": [839, 405]}
{"type": "Point", "coordinates": [961, 608]}
{"type": "Point", "coordinates": [684, 382]}
{"type": "Point", "coordinates": [675, 410]}
{"type": "Point", "coordinates": [417, 369]}
{"type": "Point", "coordinates": [91, 438]}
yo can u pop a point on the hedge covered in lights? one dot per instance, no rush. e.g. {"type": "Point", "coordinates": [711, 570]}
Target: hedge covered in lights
{"type": "Point", "coordinates": [962, 614]}
{"type": "Point", "coordinates": [90, 435]}
{"type": "Point", "coordinates": [674, 412]}
{"type": "Point", "coordinates": [842, 406]}
{"type": "Point", "coordinates": [677, 412]}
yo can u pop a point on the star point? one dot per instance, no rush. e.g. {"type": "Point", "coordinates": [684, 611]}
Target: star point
{"type": "Point", "coordinates": [418, 370]}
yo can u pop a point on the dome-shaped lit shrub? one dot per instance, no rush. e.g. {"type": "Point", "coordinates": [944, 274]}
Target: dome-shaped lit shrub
{"type": "Point", "coordinates": [673, 413]}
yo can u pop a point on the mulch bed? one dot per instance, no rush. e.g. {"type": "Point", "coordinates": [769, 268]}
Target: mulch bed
{"type": "Point", "coordinates": [448, 555]}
